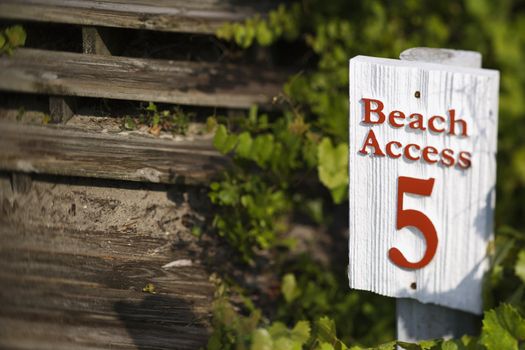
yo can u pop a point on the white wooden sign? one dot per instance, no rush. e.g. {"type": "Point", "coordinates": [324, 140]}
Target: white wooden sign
{"type": "Point", "coordinates": [422, 179]}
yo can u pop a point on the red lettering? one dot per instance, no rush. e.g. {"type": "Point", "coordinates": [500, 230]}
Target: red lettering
{"type": "Point", "coordinates": [453, 122]}
{"type": "Point", "coordinates": [417, 123]}
{"type": "Point", "coordinates": [371, 141]}
{"type": "Point", "coordinates": [432, 126]}
{"type": "Point", "coordinates": [389, 149]}
{"type": "Point", "coordinates": [464, 160]}
{"type": "Point", "coordinates": [429, 151]}
{"type": "Point", "coordinates": [378, 111]}
{"type": "Point", "coordinates": [396, 115]}
{"type": "Point", "coordinates": [414, 218]}
{"type": "Point", "coordinates": [407, 154]}
{"type": "Point", "coordinates": [447, 158]}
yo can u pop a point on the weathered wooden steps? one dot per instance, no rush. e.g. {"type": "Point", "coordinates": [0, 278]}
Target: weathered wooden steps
{"type": "Point", "coordinates": [59, 151]}
{"type": "Point", "coordinates": [79, 301]}
{"type": "Point", "coordinates": [196, 16]}
{"type": "Point", "coordinates": [194, 83]}
{"type": "Point", "coordinates": [89, 218]}
{"type": "Point", "coordinates": [67, 288]}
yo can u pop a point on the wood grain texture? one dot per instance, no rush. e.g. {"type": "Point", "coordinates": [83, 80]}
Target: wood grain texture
{"type": "Point", "coordinates": [95, 41]}
{"type": "Point", "coordinates": [200, 16]}
{"type": "Point", "coordinates": [417, 321]}
{"type": "Point", "coordinates": [59, 151]}
{"type": "Point", "coordinates": [193, 83]}
{"type": "Point", "coordinates": [61, 108]}
{"type": "Point", "coordinates": [462, 201]}
{"type": "Point", "coordinates": [450, 57]}
{"type": "Point", "coordinates": [70, 282]}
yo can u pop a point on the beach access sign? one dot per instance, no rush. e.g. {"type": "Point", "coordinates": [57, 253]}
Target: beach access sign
{"type": "Point", "coordinates": [422, 174]}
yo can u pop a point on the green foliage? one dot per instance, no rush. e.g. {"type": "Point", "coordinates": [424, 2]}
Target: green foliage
{"type": "Point", "coordinates": [333, 168]}
{"type": "Point", "coordinates": [282, 22]}
{"type": "Point", "coordinates": [504, 282]}
{"type": "Point", "coordinates": [317, 290]}
{"type": "Point", "coordinates": [503, 328]}
{"type": "Point", "coordinates": [301, 154]}
{"type": "Point", "coordinates": [172, 120]}
{"type": "Point", "coordinates": [289, 288]}
{"type": "Point", "coordinates": [252, 204]}
{"type": "Point", "coordinates": [520, 265]}
{"type": "Point", "coordinates": [250, 218]}
{"type": "Point", "coordinates": [11, 38]}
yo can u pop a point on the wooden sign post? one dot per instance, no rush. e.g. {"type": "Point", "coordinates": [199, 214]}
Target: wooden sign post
{"type": "Point", "coordinates": [422, 176]}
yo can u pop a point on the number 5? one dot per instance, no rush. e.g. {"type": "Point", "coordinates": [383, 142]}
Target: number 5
{"type": "Point", "coordinates": [415, 219]}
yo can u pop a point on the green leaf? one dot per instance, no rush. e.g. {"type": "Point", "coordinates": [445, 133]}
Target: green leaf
{"type": "Point", "coordinates": [289, 288]}
{"type": "Point", "coordinates": [129, 123]}
{"type": "Point", "coordinates": [252, 115]}
{"type": "Point", "coordinates": [333, 167]}
{"type": "Point", "coordinates": [156, 120]}
{"type": "Point", "coordinates": [388, 346]}
{"type": "Point", "coordinates": [263, 33]}
{"type": "Point", "coordinates": [244, 146]}
{"type": "Point", "coordinates": [325, 346]}
{"type": "Point", "coordinates": [503, 328]}
{"type": "Point", "coordinates": [16, 35]}
{"type": "Point", "coordinates": [339, 193]}
{"type": "Point", "coordinates": [223, 142]}
{"type": "Point", "coordinates": [301, 332]}
{"type": "Point", "coordinates": [326, 332]}
{"type": "Point", "coordinates": [151, 107]}
{"type": "Point", "coordinates": [196, 231]}
{"type": "Point", "coordinates": [261, 340]}
{"type": "Point", "coordinates": [450, 345]}
{"type": "Point", "coordinates": [519, 268]}
{"type": "Point", "coordinates": [3, 40]}
{"type": "Point", "coordinates": [278, 329]}
{"type": "Point", "coordinates": [262, 149]}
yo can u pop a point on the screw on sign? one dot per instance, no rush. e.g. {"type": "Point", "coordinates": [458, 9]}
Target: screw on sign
{"type": "Point", "coordinates": [422, 174]}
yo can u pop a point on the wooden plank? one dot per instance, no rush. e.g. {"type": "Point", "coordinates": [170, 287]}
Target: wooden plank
{"type": "Point", "coordinates": [58, 151]}
{"type": "Point", "coordinates": [20, 183]}
{"type": "Point", "coordinates": [200, 16]}
{"type": "Point", "coordinates": [76, 254]}
{"type": "Point", "coordinates": [193, 83]}
{"type": "Point", "coordinates": [82, 301]}
{"type": "Point", "coordinates": [93, 42]}
{"type": "Point", "coordinates": [101, 41]}
{"type": "Point", "coordinates": [415, 320]}
{"type": "Point", "coordinates": [61, 108]}
{"type": "Point", "coordinates": [71, 298]}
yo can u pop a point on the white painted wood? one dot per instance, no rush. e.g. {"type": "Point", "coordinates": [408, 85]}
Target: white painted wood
{"type": "Point", "coordinates": [459, 58]}
{"type": "Point", "coordinates": [462, 201]}
{"type": "Point", "coordinates": [417, 321]}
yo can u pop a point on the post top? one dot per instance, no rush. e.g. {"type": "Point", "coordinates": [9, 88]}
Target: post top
{"type": "Point", "coordinates": [461, 58]}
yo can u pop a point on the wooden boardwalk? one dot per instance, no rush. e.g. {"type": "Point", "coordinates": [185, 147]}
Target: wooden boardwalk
{"type": "Point", "coordinates": [75, 257]}
{"type": "Point", "coordinates": [190, 83]}
{"type": "Point", "coordinates": [196, 16]}
{"type": "Point", "coordinates": [60, 151]}
{"type": "Point", "coordinates": [89, 218]}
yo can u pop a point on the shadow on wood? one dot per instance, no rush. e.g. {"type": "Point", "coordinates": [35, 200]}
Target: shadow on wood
{"type": "Point", "coordinates": [155, 323]}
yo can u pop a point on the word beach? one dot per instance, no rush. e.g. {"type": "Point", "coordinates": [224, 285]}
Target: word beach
{"type": "Point", "coordinates": [374, 114]}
